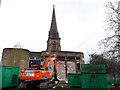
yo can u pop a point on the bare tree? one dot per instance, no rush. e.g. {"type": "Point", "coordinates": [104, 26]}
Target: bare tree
{"type": "Point", "coordinates": [112, 42]}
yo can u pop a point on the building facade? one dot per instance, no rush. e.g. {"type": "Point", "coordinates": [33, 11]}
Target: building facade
{"type": "Point", "coordinates": [67, 61]}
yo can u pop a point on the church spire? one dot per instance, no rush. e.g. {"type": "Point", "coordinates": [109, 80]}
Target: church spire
{"type": "Point", "coordinates": [53, 43]}
{"type": "Point", "coordinates": [53, 29]}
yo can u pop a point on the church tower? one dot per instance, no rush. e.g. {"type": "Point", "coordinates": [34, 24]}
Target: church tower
{"type": "Point", "coordinates": [53, 43]}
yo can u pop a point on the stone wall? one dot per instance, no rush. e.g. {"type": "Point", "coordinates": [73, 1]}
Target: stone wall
{"type": "Point", "coordinates": [71, 67]}
{"type": "Point", "coordinates": [60, 69]}
{"type": "Point", "coordinates": [63, 68]}
{"type": "Point", "coordinates": [15, 57]}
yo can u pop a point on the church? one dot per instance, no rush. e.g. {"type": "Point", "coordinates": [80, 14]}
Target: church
{"type": "Point", "coordinates": [67, 61]}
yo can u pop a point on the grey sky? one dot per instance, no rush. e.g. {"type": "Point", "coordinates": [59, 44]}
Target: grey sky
{"type": "Point", "coordinates": [0, 3]}
{"type": "Point", "coordinates": [80, 24]}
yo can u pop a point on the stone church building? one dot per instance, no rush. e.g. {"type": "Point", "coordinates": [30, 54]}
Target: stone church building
{"type": "Point", "coordinates": [67, 61]}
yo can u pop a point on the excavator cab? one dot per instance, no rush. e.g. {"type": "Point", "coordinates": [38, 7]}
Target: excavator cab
{"type": "Point", "coordinates": [34, 63]}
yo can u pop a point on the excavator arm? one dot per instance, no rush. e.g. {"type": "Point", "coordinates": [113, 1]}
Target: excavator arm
{"type": "Point", "coordinates": [50, 59]}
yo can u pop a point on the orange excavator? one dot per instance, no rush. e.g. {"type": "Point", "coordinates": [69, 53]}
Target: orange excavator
{"type": "Point", "coordinates": [39, 75]}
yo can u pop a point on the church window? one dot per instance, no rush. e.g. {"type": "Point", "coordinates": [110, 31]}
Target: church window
{"type": "Point", "coordinates": [38, 58]}
{"type": "Point", "coordinates": [32, 58]}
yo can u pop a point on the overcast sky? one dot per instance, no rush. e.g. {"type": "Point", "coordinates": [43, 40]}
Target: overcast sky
{"type": "Point", "coordinates": [80, 24]}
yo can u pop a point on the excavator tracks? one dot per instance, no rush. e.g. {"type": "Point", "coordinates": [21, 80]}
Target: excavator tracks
{"type": "Point", "coordinates": [48, 84]}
